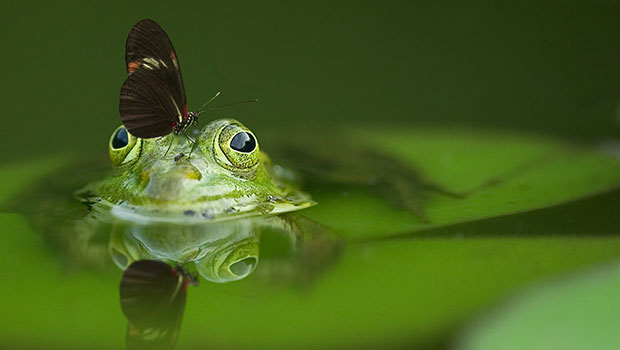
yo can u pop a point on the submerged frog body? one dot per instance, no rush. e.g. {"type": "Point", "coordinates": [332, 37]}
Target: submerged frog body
{"type": "Point", "coordinates": [222, 175]}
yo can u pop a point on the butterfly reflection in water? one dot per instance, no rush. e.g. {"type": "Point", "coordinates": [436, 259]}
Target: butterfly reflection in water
{"type": "Point", "coordinates": [153, 295]}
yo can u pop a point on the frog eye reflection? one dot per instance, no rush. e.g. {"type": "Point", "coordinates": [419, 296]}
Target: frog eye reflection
{"type": "Point", "coordinates": [124, 148]}
{"type": "Point", "coordinates": [243, 267]}
{"type": "Point", "coordinates": [230, 263]}
{"type": "Point", "coordinates": [239, 147]}
{"type": "Point", "coordinates": [121, 260]}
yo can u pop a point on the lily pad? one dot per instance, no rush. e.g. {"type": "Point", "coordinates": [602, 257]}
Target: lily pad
{"type": "Point", "coordinates": [497, 173]}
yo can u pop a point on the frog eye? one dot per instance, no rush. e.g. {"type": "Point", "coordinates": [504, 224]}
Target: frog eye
{"type": "Point", "coordinates": [124, 148]}
{"type": "Point", "coordinates": [239, 148]}
{"type": "Point", "coordinates": [243, 142]}
{"type": "Point", "coordinates": [120, 138]}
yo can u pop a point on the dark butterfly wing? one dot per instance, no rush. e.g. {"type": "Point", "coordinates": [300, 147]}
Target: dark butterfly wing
{"type": "Point", "coordinates": [146, 106]}
{"type": "Point", "coordinates": [149, 52]}
{"type": "Point", "coordinates": [148, 47]}
{"type": "Point", "coordinates": [153, 296]}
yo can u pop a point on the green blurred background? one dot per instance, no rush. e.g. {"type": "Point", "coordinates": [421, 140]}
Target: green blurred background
{"type": "Point", "coordinates": [547, 68]}
{"type": "Point", "coordinates": [544, 66]}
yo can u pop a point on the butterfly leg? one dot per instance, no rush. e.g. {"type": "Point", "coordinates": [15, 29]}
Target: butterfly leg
{"type": "Point", "coordinates": [193, 144]}
{"type": "Point", "coordinates": [169, 146]}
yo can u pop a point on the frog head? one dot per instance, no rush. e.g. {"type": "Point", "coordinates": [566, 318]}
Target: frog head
{"type": "Point", "coordinates": [221, 174]}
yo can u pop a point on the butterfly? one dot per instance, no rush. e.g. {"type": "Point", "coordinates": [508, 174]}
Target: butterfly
{"type": "Point", "coordinates": [152, 100]}
{"type": "Point", "coordinates": [153, 295]}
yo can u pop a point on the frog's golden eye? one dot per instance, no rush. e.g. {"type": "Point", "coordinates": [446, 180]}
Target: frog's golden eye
{"type": "Point", "coordinates": [124, 148]}
{"type": "Point", "coordinates": [237, 148]}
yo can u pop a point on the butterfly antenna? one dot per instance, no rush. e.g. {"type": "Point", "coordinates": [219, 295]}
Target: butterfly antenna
{"type": "Point", "coordinates": [232, 104]}
{"type": "Point", "coordinates": [201, 109]}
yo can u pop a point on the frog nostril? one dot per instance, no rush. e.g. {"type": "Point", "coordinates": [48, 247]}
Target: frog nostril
{"type": "Point", "coordinates": [243, 267]}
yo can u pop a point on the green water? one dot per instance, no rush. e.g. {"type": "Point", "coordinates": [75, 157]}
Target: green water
{"type": "Point", "coordinates": [464, 93]}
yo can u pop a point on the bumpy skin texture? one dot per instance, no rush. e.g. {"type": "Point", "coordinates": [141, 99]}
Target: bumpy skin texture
{"type": "Point", "coordinates": [215, 181]}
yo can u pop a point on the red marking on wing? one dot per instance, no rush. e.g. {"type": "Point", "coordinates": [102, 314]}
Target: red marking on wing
{"type": "Point", "coordinates": [172, 55]}
{"type": "Point", "coordinates": [185, 111]}
{"type": "Point", "coordinates": [132, 66]}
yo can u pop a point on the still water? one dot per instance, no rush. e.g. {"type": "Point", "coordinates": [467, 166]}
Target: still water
{"type": "Point", "coordinates": [456, 154]}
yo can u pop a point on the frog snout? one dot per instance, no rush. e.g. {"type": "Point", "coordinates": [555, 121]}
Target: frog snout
{"type": "Point", "coordinates": [169, 184]}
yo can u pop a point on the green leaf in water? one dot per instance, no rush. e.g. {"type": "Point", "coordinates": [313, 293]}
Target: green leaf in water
{"type": "Point", "coordinates": [500, 173]}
